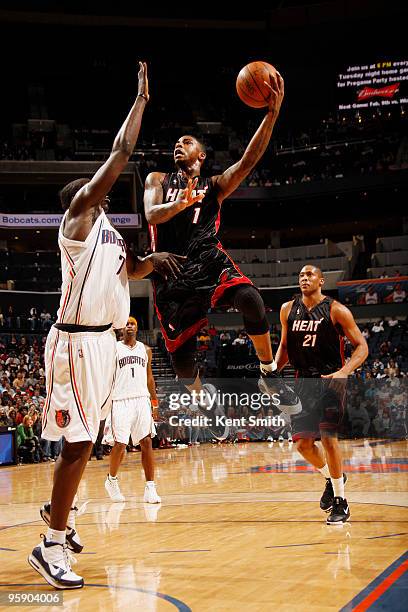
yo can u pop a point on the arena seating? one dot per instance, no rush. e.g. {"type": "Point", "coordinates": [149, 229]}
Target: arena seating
{"type": "Point", "coordinates": [38, 270]}
{"type": "Point", "coordinates": [391, 256]}
{"type": "Point", "coordinates": [280, 267]}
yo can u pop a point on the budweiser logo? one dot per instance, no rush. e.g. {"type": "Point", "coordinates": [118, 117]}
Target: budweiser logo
{"type": "Point", "coordinates": [384, 92]}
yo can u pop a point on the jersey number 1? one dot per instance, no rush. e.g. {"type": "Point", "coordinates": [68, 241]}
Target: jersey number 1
{"type": "Point", "coordinates": [196, 214]}
{"type": "Point", "coordinates": [310, 340]}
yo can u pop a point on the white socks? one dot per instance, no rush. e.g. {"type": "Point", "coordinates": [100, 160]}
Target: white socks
{"type": "Point", "coordinates": [324, 471]}
{"type": "Point", "coordinates": [338, 487]}
{"type": "Point", "coordinates": [72, 513]}
{"type": "Point", "coordinates": [112, 477]}
{"type": "Point", "coordinates": [55, 536]}
{"type": "Point", "coordinates": [338, 483]}
{"type": "Point", "coordinates": [268, 367]}
{"type": "Point", "coordinates": [150, 483]}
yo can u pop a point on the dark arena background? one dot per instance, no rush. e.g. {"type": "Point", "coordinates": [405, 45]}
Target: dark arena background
{"type": "Point", "coordinates": [239, 525]}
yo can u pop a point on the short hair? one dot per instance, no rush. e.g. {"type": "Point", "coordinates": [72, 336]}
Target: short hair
{"type": "Point", "coordinates": [201, 143]}
{"type": "Point", "coordinates": [67, 193]}
{"type": "Point", "coordinates": [199, 140]}
{"type": "Point", "coordinates": [318, 270]}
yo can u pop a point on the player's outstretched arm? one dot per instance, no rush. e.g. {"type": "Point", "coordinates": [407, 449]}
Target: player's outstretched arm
{"type": "Point", "coordinates": [231, 179]}
{"type": "Point", "coordinates": [103, 180]}
{"type": "Point", "coordinates": [156, 211]}
{"type": "Point", "coordinates": [341, 315]}
{"type": "Point", "coordinates": [166, 264]}
{"type": "Point", "coordinates": [281, 357]}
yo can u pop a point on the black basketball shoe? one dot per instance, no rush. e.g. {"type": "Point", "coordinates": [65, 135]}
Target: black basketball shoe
{"type": "Point", "coordinates": [284, 398]}
{"type": "Point", "coordinates": [340, 513]}
{"type": "Point", "coordinates": [72, 538]}
{"type": "Point", "coordinates": [213, 411]}
{"type": "Point", "coordinates": [326, 500]}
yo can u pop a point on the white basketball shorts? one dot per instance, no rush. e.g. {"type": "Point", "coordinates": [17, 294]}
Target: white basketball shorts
{"type": "Point", "coordinates": [132, 416]}
{"type": "Point", "coordinates": [80, 374]}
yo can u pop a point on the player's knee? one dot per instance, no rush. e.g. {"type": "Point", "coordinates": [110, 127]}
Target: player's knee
{"type": "Point", "coordinates": [72, 451]}
{"type": "Point", "coordinates": [146, 443]}
{"type": "Point", "coordinates": [183, 360]}
{"type": "Point", "coordinates": [304, 445]}
{"type": "Point", "coordinates": [249, 302]}
{"type": "Point", "coordinates": [329, 442]}
{"type": "Point", "coordinates": [120, 447]}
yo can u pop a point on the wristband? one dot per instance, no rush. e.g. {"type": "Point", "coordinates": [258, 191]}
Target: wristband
{"type": "Point", "coordinates": [154, 403]}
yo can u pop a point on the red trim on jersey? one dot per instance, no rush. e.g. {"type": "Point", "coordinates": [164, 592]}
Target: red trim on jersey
{"type": "Point", "coordinates": [305, 434]}
{"type": "Point", "coordinates": [341, 338]}
{"type": "Point", "coordinates": [70, 261]}
{"type": "Point", "coordinates": [218, 220]}
{"type": "Point", "coordinates": [153, 237]}
{"type": "Point", "coordinates": [173, 345]}
{"type": "Point", "coordinates": [66, 301]}
{"type": "Point", "coordinates": [220, 289]}
{"type": "Point", "coordinates": [75, 389]}
{"type": "Point", "coordinates": [51, 384]}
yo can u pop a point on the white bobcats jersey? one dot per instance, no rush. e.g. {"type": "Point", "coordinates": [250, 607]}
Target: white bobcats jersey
{"type": "Point", "coordinates": [95, 288]}
{"type": "Point", "coordinates": [131, 371]}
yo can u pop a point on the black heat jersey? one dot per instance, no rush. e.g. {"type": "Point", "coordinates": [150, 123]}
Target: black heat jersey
{"type": "Point", "coordinates": [314, 344]}
{"type": "Point", "coordinates": [193, 230]}
{"type": "Point", "coordinates": [182, 303]}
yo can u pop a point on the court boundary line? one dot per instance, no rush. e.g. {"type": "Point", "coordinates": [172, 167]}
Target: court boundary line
{"type": "Point", "coordinates": [377, 587]}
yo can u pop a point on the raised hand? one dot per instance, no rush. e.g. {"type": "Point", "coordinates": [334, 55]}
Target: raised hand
{"type": "Point", "coordinates": [167, 264]}
{"type": "Point", "coordinates": [186, 197]}
{"type": "Point", "coordinates": [143, 84]}
{"type": "Point", "coordinates": [277, 87]}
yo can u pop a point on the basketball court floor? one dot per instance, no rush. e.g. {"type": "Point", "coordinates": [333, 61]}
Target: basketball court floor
{"type": "Point", "coordinates": [239, 528]}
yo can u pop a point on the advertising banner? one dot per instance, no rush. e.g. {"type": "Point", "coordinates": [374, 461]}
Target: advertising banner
{"type": "Point", "coordinates": [38, 221]}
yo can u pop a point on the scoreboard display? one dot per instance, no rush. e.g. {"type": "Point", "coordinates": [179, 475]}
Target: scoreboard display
{"type": "Point", "coordinates": [382, 85]}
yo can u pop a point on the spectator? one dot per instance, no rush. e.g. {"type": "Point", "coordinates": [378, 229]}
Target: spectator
{"type": "Point", "coordinates": [240, 340]}
{"type": "Point", "coordinates": [371, 297]}
{"type": "Point", "coordinates": [33, 318]}
{"type": "Point", "coordinates": [399, 294]}
{"type": "Point", "coordinates": [19, 382]}
{"type": "Point", "coordinates": [28, 446]}
{"type": "Point", "coordinates": [225, 336]}
{"type": "Point", "coordinates": [393, 322]}
{"type": "Point", "coordinates": [366, 333]}
{"type": "Point", "coordinates": [377, 327]}
{"type": "Point", "coordinates": [360, 421]}
{"type": "Point", "coordinates": [46, 320]}
{"type": "Point", "coordinates": [212, 331]}
{"type": "Point", "coordinates": [377, 364]}
{"type": "Point", "coordinates": [392, 369]}
{"type": "Point", "coordinates": [5, 420]}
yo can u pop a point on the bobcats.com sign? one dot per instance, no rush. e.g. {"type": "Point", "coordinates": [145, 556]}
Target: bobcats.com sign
{"type": "Point", "coordinates": [11, 220]}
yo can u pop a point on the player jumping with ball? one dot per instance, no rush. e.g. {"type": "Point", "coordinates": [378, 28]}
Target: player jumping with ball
{"type": "Point", "coordinates": [183, 210]}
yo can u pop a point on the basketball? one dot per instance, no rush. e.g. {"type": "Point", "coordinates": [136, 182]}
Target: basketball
{"type": "Point", "coordinates": [250, 84]}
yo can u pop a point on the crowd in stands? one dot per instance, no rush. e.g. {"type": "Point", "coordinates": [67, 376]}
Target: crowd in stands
{"type": "Point", "coordinates": [33, 319]}
{"type": "Point", "coordinates": [397, 296]}
{"type": "Point", "coordinates": [335, 149]}
{"type": "Point", "coordinates": [376, 402]}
